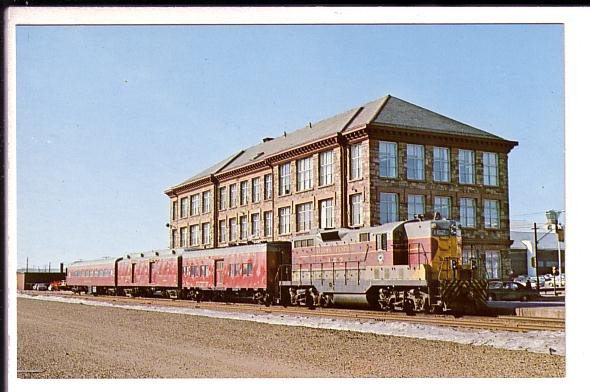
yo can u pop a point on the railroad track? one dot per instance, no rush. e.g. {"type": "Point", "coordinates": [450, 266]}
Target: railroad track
{"type": "Point", "coordinates": [499, 323]}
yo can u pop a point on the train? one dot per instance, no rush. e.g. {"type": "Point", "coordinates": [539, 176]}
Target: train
{"type": "Point", "coordinates": [411, 266]}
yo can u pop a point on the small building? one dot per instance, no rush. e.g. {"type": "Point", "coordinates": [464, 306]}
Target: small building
{"type": "Point", "coordinates": [522, 249]}
{"type": "Point", "coordinates": [26, 278]}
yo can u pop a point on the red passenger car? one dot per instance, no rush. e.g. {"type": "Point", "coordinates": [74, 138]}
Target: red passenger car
{"type": "Point", "coordinates": [234, 272]}
{"type": "Point", "coordinates": [146, 273]}
{"type": "Point", "coordinates": [93, 276]}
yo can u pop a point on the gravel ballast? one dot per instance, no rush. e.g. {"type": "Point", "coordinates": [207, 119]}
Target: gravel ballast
{"type": "Point", "coordinates": [65, 340]}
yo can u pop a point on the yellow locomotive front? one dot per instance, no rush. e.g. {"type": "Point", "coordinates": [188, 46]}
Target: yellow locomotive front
{"type": "Point", "coordinates": [438, 244]}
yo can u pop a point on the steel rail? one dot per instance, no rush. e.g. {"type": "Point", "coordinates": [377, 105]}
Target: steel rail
{"type": "Point", "coordinates": [500, 323]}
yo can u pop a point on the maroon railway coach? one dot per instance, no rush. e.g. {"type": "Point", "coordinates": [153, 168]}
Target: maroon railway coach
{"type": "Point", "coordinates": [235, 272]}
{"type": "Point", "coordinates": [93, 276]}
{"type": "Point", "coordinates": [144, 274]}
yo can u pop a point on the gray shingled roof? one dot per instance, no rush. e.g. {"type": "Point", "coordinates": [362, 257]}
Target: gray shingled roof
{"type": "Point", "coordinates": [388, 110]}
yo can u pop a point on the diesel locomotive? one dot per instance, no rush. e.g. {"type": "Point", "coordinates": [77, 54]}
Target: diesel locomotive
{"type": "Point", "coordinates": [414, 266]}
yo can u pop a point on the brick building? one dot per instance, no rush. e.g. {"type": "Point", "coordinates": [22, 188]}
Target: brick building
{"type": "Point", "coordinates": [381, 162]}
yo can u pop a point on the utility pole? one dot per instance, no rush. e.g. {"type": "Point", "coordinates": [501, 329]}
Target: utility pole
{"type": "Point", "coordinates": [27, 268]}
{"type": "Point", "coordinates": [535, 256]}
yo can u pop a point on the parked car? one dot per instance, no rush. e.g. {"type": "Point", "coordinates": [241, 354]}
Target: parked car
{"type": "Point", "coordinates": [510, 291]}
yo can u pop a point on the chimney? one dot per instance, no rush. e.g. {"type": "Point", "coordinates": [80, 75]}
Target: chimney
{"type": "Point", "coordinates": [267, 139]}
{"type": "Point", "coordinates": [61, 268]}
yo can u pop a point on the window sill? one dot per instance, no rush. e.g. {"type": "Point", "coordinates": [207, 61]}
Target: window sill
{"type": "Point", "coordinates": [303, 191]}
{"type": "Point", "coordinates": [325, 186]}
{"type": "Point", "coordinates": [351, 180]}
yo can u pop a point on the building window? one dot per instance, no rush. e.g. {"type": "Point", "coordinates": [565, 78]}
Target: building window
{"type": "Point", "coordinates": [183, 236]}
{"type": "Point", "coordinates": [284, 220]}
{"type": "Point", "coordinates": [441, 164]}
{"type": "Point", "coordinates": [222, 198]}
{"type": "Point", "coordinates": [268, 223]}
{"type": "Point", "coordinates": [415, 162]}
{"type": "Point", "coordinates": [194, 204]}
{"type": "Point", "coordinates": [442, 205]}
{"type": "Point", "coordinates": [326, 214]}
{"type": "Point", "coordinates": [467, 212]}
{"type": "Point", "coordinates": [466, 167]}
{"type": "Point", "coordinates": [222, 231]}
{"type": "Point", "coordinates": [388, 207]}
{"type": "Point", "coordinates": [304, 212]}
{"type": "Point", "coordinates": [304, 179]}
{"type": "Point", "coordinates": [388, 159]}
{"type": "Point", "coordinates": [206, 201]}
{"type": "Point", "coordinates": [174, 210]}
{"type": "Point", "coordinates": [468, 257]}
{"type": "Point", "coordinates": [184, 207]}
{"type": "Point", "coordinates": [355, 161]}
{"type": "Point", "coordinates": [284, 179]}
{"type": "Point", "coordinates": [256, 189]}
{"type": "Point", "coordinates": [490, 169]}
{"type": "Point", "coordinates": [492, 264]}
{"type": "Point", "coordinates": [233, 229]}
{"type": "Point", "coordinates": [174, 238]}
{"type": "Point", "coordinates": [243, 193]}
{"type": "Point", "coordinates": [268, 186]}
{"type": "Point", "coordinates": [255, 225]}
{"type": "Point", "coordinates": [415, 205]}
{"type": "Point", "coordinates": [243, 227]}
{"type": "Point", "coordinates": [355, 209]}
{"type": "Point", "coordinates": [206, 233]}
{"type": "Point", "coordinates": [326, 160]}
{"type": "Point", "coordinates": [194, 236]}
{"type": "Point", "coordinates": [233, 195]}
{"type": "Point", "coordinates": [491, 214]}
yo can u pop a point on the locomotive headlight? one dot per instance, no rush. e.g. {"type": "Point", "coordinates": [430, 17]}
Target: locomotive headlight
{"type": "Point", "coordinates": [433, 225]}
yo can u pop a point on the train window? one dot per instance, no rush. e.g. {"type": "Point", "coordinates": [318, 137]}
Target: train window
{"type": "Point", "coordinates": [247, 269]}
{"type": "Point", "coordinates": [310, 242]}
{"type": "Point", "coordinates": [364, 237]}
{"type": "Point", "coordinates": [381, 241]}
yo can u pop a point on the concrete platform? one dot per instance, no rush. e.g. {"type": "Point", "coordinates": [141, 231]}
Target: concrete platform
{"type": "Point", "coordinates": [550, 312]}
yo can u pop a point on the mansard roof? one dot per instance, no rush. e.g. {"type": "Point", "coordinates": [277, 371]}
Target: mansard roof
{"type": "Point", "coordinates": [386, 111]}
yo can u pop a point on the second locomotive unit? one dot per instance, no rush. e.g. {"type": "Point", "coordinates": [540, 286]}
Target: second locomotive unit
{"type": "Point", "coordinates": [413, 266]}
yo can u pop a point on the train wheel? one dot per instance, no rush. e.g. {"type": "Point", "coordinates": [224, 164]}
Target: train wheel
{"type": "Point", "coordinates": [409, 307]}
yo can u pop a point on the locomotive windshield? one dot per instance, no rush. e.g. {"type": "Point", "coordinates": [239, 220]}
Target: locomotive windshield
{"type": "Point", "coordinates": [445, 228]}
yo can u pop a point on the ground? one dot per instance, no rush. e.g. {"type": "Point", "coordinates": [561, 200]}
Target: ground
{"type": "Point", "coordinates": [78, 341]}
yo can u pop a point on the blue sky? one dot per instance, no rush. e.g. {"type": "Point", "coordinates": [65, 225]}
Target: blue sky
{"type": "Point", "coordinates": [110, 116]}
